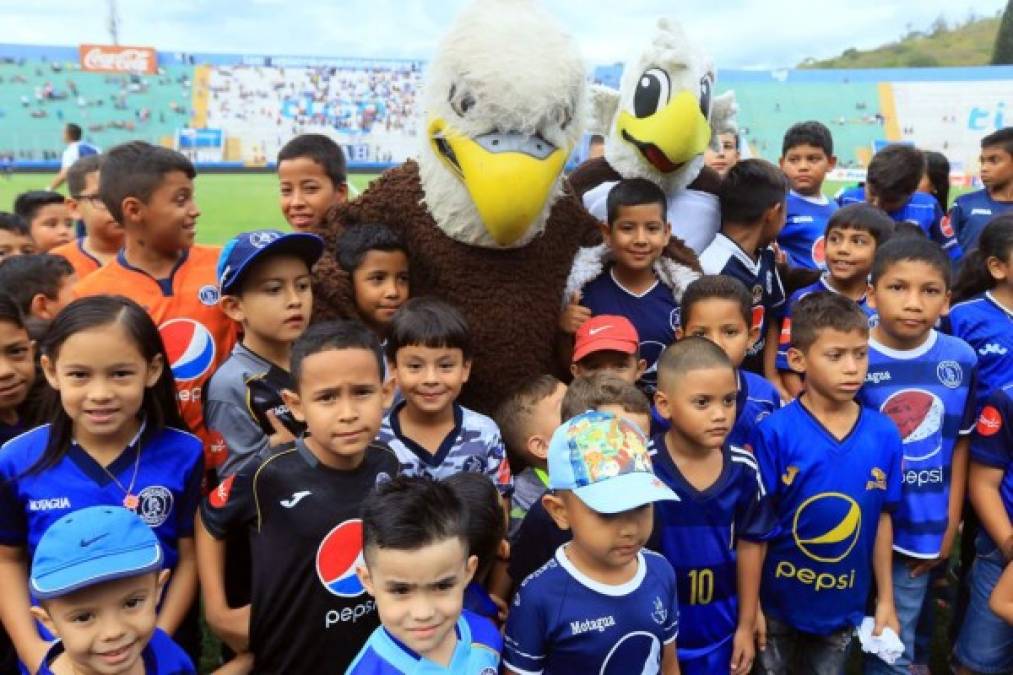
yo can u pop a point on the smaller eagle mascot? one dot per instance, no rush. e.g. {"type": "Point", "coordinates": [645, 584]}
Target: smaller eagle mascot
{"type": "Point", "coordinates": [658, 125]}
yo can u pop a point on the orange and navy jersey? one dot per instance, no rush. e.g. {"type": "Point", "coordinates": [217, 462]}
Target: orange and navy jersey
{"type": "Point", "coordinates": [198, 336]}
{"type": "Point", "coordinates": [84, 263]}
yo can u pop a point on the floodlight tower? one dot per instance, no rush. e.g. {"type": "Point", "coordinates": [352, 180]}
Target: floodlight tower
{"type": "Point", "coordinates": [114, 22]}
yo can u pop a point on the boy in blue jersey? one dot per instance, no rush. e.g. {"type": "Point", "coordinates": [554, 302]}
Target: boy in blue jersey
{"type": "Point", "coordinates": [98, 575]}
{"type": "Point", "coordinates": [417, 565]}
{"type": "Point", "coordinates": [717, 307]}
{"type": "Point", "coordinates": [833, 473]}
{"type": "Point", "coordinates": [601, 604]}
{"type": "Point", "coordinates": [891, 183]}
{"type": "Point", "coordinates": [630, 275]}
{"type": "Point", "coordinates": [924, 381]}
{"type": "Point", "coordinates": [852, 236]}
{"type": "Point", "coordinates": [714, 535]}
{"type": "Point", "coordinates": [807, 155]}
{"type": "Point", "coordinates": [972, 211]}
{"type": "Point", "coordinates": [985, 643]}
{"type": "Point", "coordinates": [752, 214]}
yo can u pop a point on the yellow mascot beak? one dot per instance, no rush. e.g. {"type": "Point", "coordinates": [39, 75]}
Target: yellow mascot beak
{"type": "Point", "coordinates": [671, 136]}
{"type": "Point", "coordinates": [508, 175]}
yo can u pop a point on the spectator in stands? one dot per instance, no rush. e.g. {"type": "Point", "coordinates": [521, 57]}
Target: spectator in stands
{"type": "Point", "coordinates": [725, 155]}
{"type": "Point", "coordinates": [311, 175]}
{"type": "Point", "coordinates": [75, 150]}
{"type": "Point", "coordinates": [48, 218]}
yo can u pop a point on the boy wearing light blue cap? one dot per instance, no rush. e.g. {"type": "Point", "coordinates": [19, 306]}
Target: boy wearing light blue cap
{"type": "Point", "coordinates": [602, 604]}
{"type": "Point", "coordinates": [97, 574]}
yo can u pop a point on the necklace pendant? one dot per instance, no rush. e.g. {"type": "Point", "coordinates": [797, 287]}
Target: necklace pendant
{"type": "Point", "coordinates": [131, 502]}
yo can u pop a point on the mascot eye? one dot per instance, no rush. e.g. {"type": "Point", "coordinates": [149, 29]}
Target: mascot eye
{"type": "Point", "coordinates": [705, 95]}
{"type": "Point", "coordinates": [461, 104]}
{"type": "Point", "coordinates": [651, 94]}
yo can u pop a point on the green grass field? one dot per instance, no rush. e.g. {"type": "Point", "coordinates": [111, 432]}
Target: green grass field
{"type": "Point", "coordinates": [232, 203]}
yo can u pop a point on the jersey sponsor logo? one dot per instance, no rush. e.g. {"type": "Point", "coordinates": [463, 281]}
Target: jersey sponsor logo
{"type": "Point", "coordinates": [826, 526]}
{"type": "Point", "coordinates": [981, 212]}
{"type": "Point", "coordinates": [216, 443]}
{"type": "Point", "coordinates": [819, 251]}
{"type": "Point", "coordinates": [877, 376]}
{"type": "Point", "coordinates": [588, 625]}
{"type": "Point", "coordinates": [878, 480]}
{"type": "Point", "coordinates": [989, 421]}
{"type": "Point", "coordinates": [950, 374]}
{"type": "Point", "coordinates": [339, 554]}
{"type": "Point", "coordinates": [786, 331]}
{"type": "Point", "coordinates": [993, 348]}
{"type": "Point", "coordinates": [918, 415]}
{"type": "Point", "coordinates": [208, 295]}
{"type": "Point", "coordinates": [190, 347]}
{"type": "Point", "coordinates": [154, 504]}
{"type": "Point", "coordinates": [296, 497]}
{"type": "Point", "coordinates": [922, 477]}
{"type": "Point", "coordinates": [758, 313]}
{"type": "Point", "coordinates": [788, 477]}
{"type": "Point", "coordinates": [946, 227]}
{"type": "Point", "coordinates": [770, 282]}
{"type": "Point", "coordinates": [802, 219]}
{"type": "Point", "coordinates": [49, 504]}
{"type": "Point", "coordinates": [219, 497]}
{"type": "Point", "coordinates": [659, 613]}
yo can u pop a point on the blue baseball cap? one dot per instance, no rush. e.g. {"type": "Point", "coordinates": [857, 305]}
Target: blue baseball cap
{"type": "Point", "coordinates": [244, 248]}
{"type": "Point", "coordinates": [91, 546]}
{"type": "Point", "coordinates": [603, 459]}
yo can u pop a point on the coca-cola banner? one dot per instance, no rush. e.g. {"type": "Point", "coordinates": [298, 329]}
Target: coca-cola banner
{"type": "Point", "coordinates": [118, 59]}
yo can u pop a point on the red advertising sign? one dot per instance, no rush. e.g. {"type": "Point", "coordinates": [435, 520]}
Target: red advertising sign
{"type": "Point", "coordinates": [118, 59]}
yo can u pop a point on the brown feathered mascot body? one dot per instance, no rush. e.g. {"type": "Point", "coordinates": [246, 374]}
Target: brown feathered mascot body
{"type": "Point", "coordinates": [485, 213]}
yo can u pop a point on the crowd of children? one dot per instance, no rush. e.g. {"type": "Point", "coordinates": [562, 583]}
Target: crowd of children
{"type": "Point", "coordinates": [771, 467]}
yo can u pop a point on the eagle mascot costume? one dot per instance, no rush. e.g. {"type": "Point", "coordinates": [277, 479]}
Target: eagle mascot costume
{"type": "Point", "coordinates": [657, 127]}
{"type": "Point", "coordinates": [489, 221]}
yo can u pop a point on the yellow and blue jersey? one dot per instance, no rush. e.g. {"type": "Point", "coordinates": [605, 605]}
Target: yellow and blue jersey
{"type": "Point", "coordinates": [928, 392]}
{"type": "Point", "coordinates": [827, 494]}
{"type": "Point", "coordinates": [802, 237]}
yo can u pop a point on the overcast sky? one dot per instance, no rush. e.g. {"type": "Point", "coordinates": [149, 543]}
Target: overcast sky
{"type": "Point", "coordinates": [738, 33]}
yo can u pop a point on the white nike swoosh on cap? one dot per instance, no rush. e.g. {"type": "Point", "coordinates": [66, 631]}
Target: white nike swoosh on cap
{"type": "Point", "coordinates": [595, 331]}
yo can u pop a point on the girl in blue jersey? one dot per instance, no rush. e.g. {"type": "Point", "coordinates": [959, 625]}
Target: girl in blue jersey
{"type": "Point", "coordinates": [114, 439]}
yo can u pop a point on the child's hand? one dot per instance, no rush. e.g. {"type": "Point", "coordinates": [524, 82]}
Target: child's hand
{"type": "Point", "coordinates": [886, 617]}
{"type": "Point", "coordinates": [239, 665]}
{"type": "Point", "coordinates": [574, 316]}
{"type": "Point", "coordinates": [743, 651]}
{"type": "Point", "coordinates": [503, 609]}
{"type": "Point", "coordinates": [232, 627]}
{"type": "Point", "coordinates": [760, 630]}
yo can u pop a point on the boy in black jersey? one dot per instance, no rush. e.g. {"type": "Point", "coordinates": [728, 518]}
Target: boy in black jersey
{"type": "Point", "coordinates": [300, 507]}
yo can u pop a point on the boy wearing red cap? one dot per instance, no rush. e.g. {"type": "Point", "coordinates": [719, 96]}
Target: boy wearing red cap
{"type": "Point", "coordinates": [608, 343]}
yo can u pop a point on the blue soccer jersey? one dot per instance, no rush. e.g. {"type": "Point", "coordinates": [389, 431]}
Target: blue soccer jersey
{"type": "Point", "coordinates": [970, 214]}
{"type": "Point", "coordinates": [760, 276]}
{"type": "Point", "coordinates": [654, 313]}
{"type": "Point", "coordinates": [987, 326]}
{"type": "Point", "coordinates": [827, 494]}
{"type": "Point", "coordinates": [562, 621]}
{"type": "Point", "coordinates": [168, 467]}
{"type": "Point", "coordinates": [992, 443]}
{"type": "Point", "coordinates": [928, 392]}
{"type": "Point", "coordinates": [477, 652]}
{"type": "Point", "coordinates": [804, 227]}
{"type": "Point", "coordinates": [821, 285]}
{"type": "Point", "coordinates": [698, 534]}
{"type": "Point", "coordinates": [161, 656]}
{"type": "Point", "coordinates": [921, 209]}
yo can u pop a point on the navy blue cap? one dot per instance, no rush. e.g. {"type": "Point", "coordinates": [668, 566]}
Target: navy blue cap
{"type": "Point", "coordinates": [243, 249]}
{"type": "Point", "coordinates": [91, 546]}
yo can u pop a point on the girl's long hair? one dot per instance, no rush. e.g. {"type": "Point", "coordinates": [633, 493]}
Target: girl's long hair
{"type": "Point", "coordinates": [159, 407]}
{"type": "Point", "coordinates": [996, 241]}
{"type": "Point", "coordinates": [937, 168]}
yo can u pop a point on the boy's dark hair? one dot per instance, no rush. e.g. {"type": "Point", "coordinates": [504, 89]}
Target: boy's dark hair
{"type": "Point", "coordinates": [513, 414]}
{"type": "Point", "coordinates": [486, 521]}
{"type": "Point", "coordinates": [811, 133]}
{"type": "Point", "coordinates": [428, 322]}
{"type": "Point", "coordinates": [912, 249]}
{"type": "Point", "coordinates": [327, 335]}
{"type": "Point", "coordinates": [995, 241]}
{"type": "Point", "coordinates": [634, 192]}
{"type": "Point", "coordinates": [12, 222]}
{"type": "Point", "coordinates": [356, 241]}
{"type": "Point", "coordinates": [908, 229]}
{"type": "Point", "coordinates": [597, 389]}
{"type": "Point", "coordinates": [1002, 138]}
{"type": "Point", "coordinates": [22, 277]}
{"type": "Point", "coordinates": [136, 169]}
{"type": "Point", "coordinates": [937, 168]}
{"type": "Point", "coordinates": [27, 204]}
{"type": "Point", "coordinates": [864, 217]}
{"type": "Point", "coordinates": [10, 312]}
{"type": "Point", "coordinates": [719, 286]}
{"type": "Point", "coordinates": [73, 131]}
{"type": "Point", "coordinates": [895, 171]}
{"type": "Point", "coordinates": [688, 354]}
{"type": "Point", "coordinates": [321, 150]}
{"type": "Point", "coordinates": [409, 512]}
{"type": "Point", "coordinates": [825, 311]}
{"type": "Point", "coordinates": [750, 188]}
{"type": "Point", "coordinates": [79, 170]}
